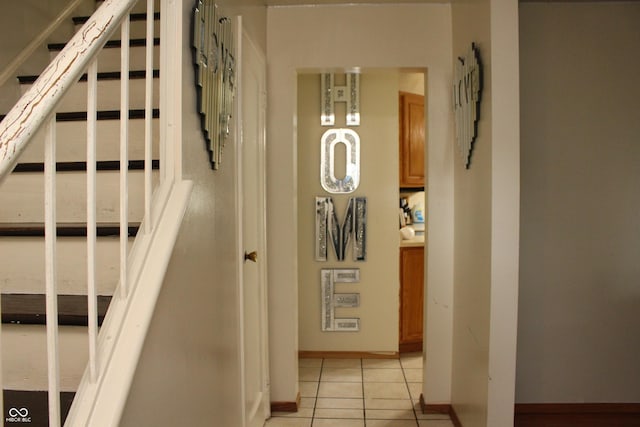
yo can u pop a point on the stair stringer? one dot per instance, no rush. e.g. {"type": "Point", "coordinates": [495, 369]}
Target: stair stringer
{"type": "Point", "coordinates": [100, 402]}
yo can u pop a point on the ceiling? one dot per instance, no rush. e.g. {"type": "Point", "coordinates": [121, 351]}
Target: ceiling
{"type": "Point", "coordinates": [321, 2]}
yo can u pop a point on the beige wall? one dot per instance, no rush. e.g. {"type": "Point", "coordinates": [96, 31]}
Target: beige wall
{"type": "Point", "coordinates": [187, 375]}
{"type": "Point", "coordinates": [579, 295]}
{"type": "Point", "coordinates": [412, 83]}
{"type": "Point", "coordinates": [486, 223]}
{"type": "Point", "coordinates": [20, 23]}
{"type": "Point", "coordinates": [379, 277]}
{"type": "Point", "coordinates": [369, 36]}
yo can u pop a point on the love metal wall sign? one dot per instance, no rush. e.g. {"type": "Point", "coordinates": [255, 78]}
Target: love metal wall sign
{"type": "Point", "coordinates": [215, 75]}
{"type": "Point", "coordinates": [467, 89]}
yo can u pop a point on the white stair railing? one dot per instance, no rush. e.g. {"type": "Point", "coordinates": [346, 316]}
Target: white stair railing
{"type": "Point", "coordinates": [37, 108]}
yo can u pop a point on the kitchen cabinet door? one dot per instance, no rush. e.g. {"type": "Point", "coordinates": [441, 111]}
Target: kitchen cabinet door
{"type": "Point", "coordinates": [412, 131]}
{"type": "Point", "coordinates": [411, 298]}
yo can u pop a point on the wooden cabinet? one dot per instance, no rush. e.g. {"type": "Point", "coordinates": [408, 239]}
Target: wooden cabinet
{"type": "Point", "coordinates": [411, 298]}
{"type": "Point", "coordinates": [412, 126]}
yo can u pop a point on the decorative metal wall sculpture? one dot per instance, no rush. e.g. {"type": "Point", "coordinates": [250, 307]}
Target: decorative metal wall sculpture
{"type": "Point", "coordinates": [215, 75]}
{"type": "Point", "coordinates": [328, 229]}
{"type": "Point", "coordinates": [328, 143]}
{"type": "Point", "coordinates": [330, 94]}
{"type": "Point", "coordinates": [332, 300]}
{"type": "Point", "coordinates": [467, 88]}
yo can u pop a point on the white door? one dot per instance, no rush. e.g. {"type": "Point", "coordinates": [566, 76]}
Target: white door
{"type": "Point", "coordinates": [252, 105]}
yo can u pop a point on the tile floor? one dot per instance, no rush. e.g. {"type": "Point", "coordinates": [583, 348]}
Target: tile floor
{"type": "Point", "coordinates": [360, 393]}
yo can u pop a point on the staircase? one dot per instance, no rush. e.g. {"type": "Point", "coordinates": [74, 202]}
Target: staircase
{"type": "Point", "coordinates": [97, 259]}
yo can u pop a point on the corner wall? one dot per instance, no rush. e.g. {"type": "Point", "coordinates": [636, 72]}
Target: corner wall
{"type": "Point", "coordinates": [472, 259]}
{"type": "Point", "coordinates": [486, 223]}
{"type": "Point", "coordinates": [579, 294]}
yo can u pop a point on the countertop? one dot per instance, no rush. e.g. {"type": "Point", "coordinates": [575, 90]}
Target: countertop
{"type": "Point", "coordinates": [414, 242]}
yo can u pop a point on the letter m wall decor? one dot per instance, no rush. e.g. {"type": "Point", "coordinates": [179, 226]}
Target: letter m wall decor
{"type": "Point", "coordinates": [330, 231]}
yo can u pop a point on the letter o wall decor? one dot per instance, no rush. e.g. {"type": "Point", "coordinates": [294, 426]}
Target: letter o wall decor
{"type": "Point", "coordinates": [328, 143]}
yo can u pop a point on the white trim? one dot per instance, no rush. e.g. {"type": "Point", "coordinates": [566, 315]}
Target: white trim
{"type": "Point", "coordinates": [505, 212]}
{"type": "Point", "coordinates": [50, 239]}
{"type": "Point", "coordinates": [148, 118]}
{"type": "Point", "coordinates": [238, 184]}
{"type": "Point", "coordinates": [121, 342]}
{"type": "Point", "coordinates": [124, 156]}
{"type": "Point", "coordinates": [171, 90]}
{"type": "Point", "coordinates": [92, 303]}
{"type": "Point", "coordinates": [241, 37]}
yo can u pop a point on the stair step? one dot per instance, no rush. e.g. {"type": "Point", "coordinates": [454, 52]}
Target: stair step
{"type": "Point", "coordinates": [108, 95]}
{"type": "Point", "coordinates": [22, 195]}
{"type": "Point", "coordinates": [109, 58]}
{"type": "Point", "coordinates": [80, 20]}
{"type": "Point", "coordinates": [111, 44]}
{"type": "Point", "coordinates": [102, 165]}
{"type": "Point", "coordinates": [37, 404]}
{"type": "Point", "coordinates": [75, 116]}
{"type": "Point", "coordinates": [30, 309]}
{"type": "Point", "coordinates": [102, 76]}
{"type": "Point", "coordinates": [22, 259]}
{"type": "Point", "coordinates": [24, 357]}
{"type": "Point", "coordinates": [139, 7]}
{"type": "Point", "coordinates": [72, 137]}
{"type": "Point", "coordinates": [65, 230]}
{"type": "Point", "coordinates": [79, 116]}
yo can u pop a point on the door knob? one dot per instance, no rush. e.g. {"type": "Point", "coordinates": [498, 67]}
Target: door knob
{"type": "Point", "coordinates": [252, 256]}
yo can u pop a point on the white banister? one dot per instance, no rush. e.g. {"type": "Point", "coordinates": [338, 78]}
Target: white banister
{"type": "Point", "coordinates": [124, 155]}
{"type": "Point", "coordinates": [50, 238]}
{"type": "Point", "coordinates": [92, 301]}
{"type": "Point", "coordinates": [29, 113]}
{"type": "Point", "coordinates": [114, 352]}
{"type": "Point", "coordinates": [148, 118]}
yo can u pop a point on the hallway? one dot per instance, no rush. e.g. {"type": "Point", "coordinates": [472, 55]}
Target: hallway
{"type": "Point", "coordinates": [360, 393]}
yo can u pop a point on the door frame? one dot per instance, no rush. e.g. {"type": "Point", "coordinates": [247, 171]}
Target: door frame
{"type": "Point", "coordinates": [241, 37]}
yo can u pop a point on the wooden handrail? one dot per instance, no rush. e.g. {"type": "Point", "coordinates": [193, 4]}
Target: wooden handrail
{"type": "Point", "coordinates": [30, 112]}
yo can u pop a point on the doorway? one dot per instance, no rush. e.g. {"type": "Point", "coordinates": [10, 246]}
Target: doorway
{"type": "Point", "coordinates": [297, 42]}
{"type": "Point", "coordinates": [377, 285]}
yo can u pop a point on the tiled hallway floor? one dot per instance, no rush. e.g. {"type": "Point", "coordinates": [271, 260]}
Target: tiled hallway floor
{"type": "Point", "coordinates": [360, 393]}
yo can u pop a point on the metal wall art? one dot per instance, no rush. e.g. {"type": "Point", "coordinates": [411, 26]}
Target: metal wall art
{"type": "Point", "coordinates": [328, 143]}
{"type": "Point", "coordinates": [467, 88]}
{"type": "Point", "coordinates": [215, 75]}
{"type": "Point", "coordinates": [330, 94]}
{"type": "Point", "coordinates": [329, 230]}
{"type": "Point", "coordinates": [332, 300]}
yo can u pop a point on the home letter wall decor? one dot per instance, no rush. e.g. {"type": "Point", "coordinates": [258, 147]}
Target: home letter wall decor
{"type": "Point", "coordinates": [329, 230]}
{"type": "Point", "coordinates": [351, 179]}
{"type": "Point", "coordinates": [330, 94]}
{"type": "Point", "coordinates": [332, 300]}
